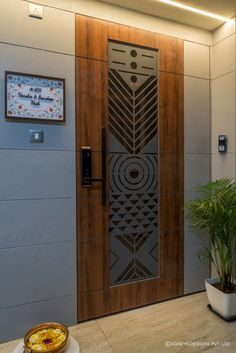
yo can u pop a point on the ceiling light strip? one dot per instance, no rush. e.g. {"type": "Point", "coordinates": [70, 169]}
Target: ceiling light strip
{"type": "Point", "coordinates": [193, 9]}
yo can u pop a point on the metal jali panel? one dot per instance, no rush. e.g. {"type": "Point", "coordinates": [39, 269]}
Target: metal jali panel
{"type": "Point", "coordinates": [133, 162]}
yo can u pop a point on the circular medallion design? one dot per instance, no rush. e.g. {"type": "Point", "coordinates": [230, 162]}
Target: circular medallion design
{"type": "Point", "coordinates": [134, 65]}
{"type": "Point", "coordinates": [133, 79]}
{"type": "Point", "coordinates": [133, 173]}
{"type": "Point", "coordinates": [133, 53]}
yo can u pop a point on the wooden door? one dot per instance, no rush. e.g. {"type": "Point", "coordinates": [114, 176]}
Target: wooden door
{"type": "Point", "coordinates": [119, 269]}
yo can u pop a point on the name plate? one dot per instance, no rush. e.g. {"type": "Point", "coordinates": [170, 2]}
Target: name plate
{"type": "Point", "coordinates": [34, 97]}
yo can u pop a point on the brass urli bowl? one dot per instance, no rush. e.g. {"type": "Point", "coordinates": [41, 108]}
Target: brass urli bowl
{"type": "Point", "coordinates": [40, 327]}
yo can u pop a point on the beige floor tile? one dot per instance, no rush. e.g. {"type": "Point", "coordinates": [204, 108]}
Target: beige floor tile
{"type": "Point", "coordinates": [186, 319]}
{"type": "Point", "coordinates": [146, 330]}
{"type": "Point", "coordinates": [88, 334]}
{"type": "Point", "coordinates": [9, 346]}
{"type": "Point", "coordinates": [90, 338]}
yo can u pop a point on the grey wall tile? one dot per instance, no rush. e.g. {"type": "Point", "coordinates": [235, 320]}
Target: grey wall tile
{"type": "Point", "coordinates": [29, 222]}
{"type": "Point", "coordinates": [35, 273]}
{"type": "Point", "coordinates": [223, 57]}
{"type": "Point", "coordinates": [223, 110]}
{"type": "Point", "coordinates": [196, 60]}
{"type": "Point", "coordinates": [196, 235]}
{"type": "Point", "coordinates": [56, 32]}
{"type": "Point", "coordinates": [224, 31]}
{"type": "Point", "coordinates": [16, 134]}
{"type": "Point", "coordinates": [194, 243]}
{"type": "Point", "coordinates": [196, 115]}
{"type": "Point", "coordinates": [36, 174]}
{"type": "Point", "coordinates": [223, 165]}
{"type": "Point", "coordinates": [194, 280]}
{"type": "Point", "coordinates": [196, 170]}
{"type": "Point", "coordinates": [16, 321]}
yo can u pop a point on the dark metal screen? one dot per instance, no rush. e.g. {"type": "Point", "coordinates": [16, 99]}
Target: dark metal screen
{"type": "Point", "coordinates": [133, 165]}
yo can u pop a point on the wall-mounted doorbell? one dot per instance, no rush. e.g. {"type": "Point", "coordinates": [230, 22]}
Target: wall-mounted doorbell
{"type": "Point", "coordinates": [222, 143]}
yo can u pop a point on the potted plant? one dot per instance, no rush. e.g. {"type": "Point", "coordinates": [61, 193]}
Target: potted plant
{"type": "Point", "coordinates": [215, 211]}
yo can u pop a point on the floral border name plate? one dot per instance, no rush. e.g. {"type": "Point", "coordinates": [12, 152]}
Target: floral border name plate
{"type": "Point", "coordinates": [34, 97]}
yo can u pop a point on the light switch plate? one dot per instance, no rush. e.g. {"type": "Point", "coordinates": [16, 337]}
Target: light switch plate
{"type": "Point", "coordinates": [36, 136]}
{"type": "Point", "coordinates": [36, 11]}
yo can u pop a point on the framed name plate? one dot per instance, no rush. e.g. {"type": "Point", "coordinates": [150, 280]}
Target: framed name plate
{"type": "Point", "coordinates": [34, 97]}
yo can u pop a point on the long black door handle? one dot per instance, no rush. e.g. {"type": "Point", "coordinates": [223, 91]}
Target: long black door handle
{"type": "Point", "coordinates": [104, 166]}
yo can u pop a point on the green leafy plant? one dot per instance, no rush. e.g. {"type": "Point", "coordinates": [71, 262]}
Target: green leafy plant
{"type": "Point", "coordinates": [215, 211]}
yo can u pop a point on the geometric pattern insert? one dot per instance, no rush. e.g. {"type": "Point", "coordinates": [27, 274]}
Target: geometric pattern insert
{"type": "Point", "coordinates": [133, 164]}
{"type": "Point", "coordinates": [132, 115]}
{"type": "Point", "coordinates": [133, 236]}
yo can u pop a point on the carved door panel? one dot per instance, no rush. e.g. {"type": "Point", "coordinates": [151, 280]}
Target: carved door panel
{"type": "Point", "coordinates": [130, 210]}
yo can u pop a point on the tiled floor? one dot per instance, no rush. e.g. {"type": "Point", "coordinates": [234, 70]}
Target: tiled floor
{"type": "Point", "coordinates": [184, 321]}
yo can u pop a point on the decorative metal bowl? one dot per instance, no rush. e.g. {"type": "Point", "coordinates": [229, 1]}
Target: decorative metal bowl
{"type": "Point", "coordinates": [46, 325]}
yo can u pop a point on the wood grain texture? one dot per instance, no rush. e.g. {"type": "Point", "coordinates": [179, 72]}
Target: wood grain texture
{"type": "Point", "coordinates": [103, 302]}
{"type": "Point", "coordinates": [171, 173]}
{"type": "Point", "coordinates": [91, 227]}
{"type": "Point", "coordinates": [174, 252]}
{"type": "Point", "coordinates": [171, 102]}
{"type": "Point", "coordinates": [91, 102]}
{"type": "Point", "coordinates": [92, 37]}
{"type": "Point", "coordinates": [95, 298]}
{"type": "Point", "coordinates": [99, 303]}
{"type": "Point", "coordinates": [171, 210]}
{"type": "Point", "coordinates": [93, 262]}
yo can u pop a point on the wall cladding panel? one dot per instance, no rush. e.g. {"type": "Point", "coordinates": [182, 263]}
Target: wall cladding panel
{"type": "Point", "coordinates": [37, 221]}
{"type": "Point", "coordinates": [223, 111]}
{"type": "Point", "coordinates": [224, 31]}
{"type": "Point", "coordinates": [223, 166]}
{"type": "Point", "coordinates": [196, 115]}
{"type": "Point", "coordinates": [108, 12]}
{"type": "Point", "coordinates": [194, 280]}
{"type": "Point", "coordinates": [22, 265]}
{"type": "Point", "coordinates": [16, 134]}
{"type": "Point", "coordinates": [37, 190]}
{"type": "Point", "coordinates": [197, 170]}
{"type": "Point", "coordinates": [34, 33]}
{"type": "Point", "coordinates": [197, 156]}
{"type": "Point", "coordinates": [196, 60]}
{"type": "Point", "coordinates": [223, 57]}
{"type": "Point", "coordinates": [15, 321]}
{"type": "Point", "coordinates": [194, 244]}
{"type": "Point", "coordinates": [40, 174]}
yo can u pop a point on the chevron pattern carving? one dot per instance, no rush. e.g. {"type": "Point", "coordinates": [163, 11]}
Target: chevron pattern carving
{"type": "Point", "coordinates": [132, 114]}
{"type": "Point", "coordinates": [133, 124]}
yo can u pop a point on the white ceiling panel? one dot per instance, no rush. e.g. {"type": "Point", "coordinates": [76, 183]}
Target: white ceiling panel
{"type": "Point", "coordinates": [225, 8]}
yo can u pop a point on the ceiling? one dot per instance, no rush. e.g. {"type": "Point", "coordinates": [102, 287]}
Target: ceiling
{"type": "Point", "coordinates": [225, 8]}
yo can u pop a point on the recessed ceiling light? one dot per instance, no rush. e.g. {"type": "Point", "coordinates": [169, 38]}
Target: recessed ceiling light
{"type": "Point", "coordinates": [193, 9]}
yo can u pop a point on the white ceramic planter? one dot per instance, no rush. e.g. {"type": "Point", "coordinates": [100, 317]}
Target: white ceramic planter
{"type": "Point", "coordinates": [222, 303]}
